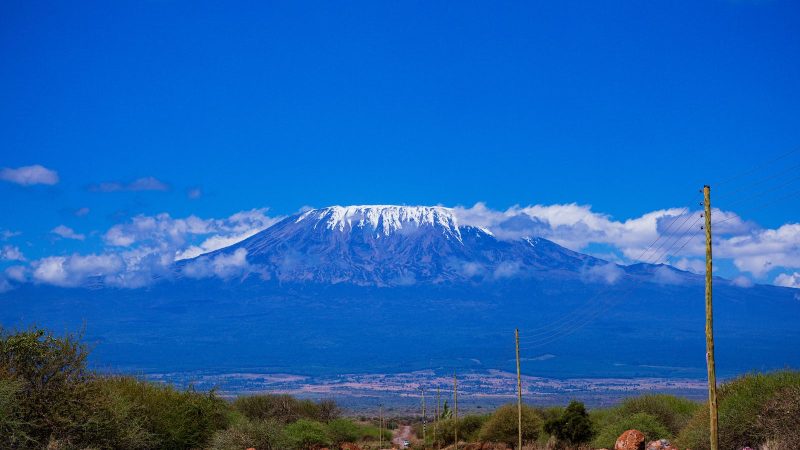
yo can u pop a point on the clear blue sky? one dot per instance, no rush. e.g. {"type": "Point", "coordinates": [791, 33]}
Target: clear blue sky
{"type": "Point", "coordinates": [627, 106]}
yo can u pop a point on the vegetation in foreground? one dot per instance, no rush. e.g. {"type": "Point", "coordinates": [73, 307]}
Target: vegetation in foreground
{"type": "Point", "coordinates": [49, 399]}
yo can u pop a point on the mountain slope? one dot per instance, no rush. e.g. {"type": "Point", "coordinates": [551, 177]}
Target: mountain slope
{"type": "Point", "coordinates": [395, 245]}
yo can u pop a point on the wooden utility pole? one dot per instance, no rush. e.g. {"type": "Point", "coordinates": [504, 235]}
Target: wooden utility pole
{"type": "Point", "coordinates": [519, 390]}
{"type": "Point", "coordinates": [712, 376]}
{"type": "Point", "coordinates": [436, 419]}
{"type": "Point", "coordinates": [455, 408]}
{"type": "Point", "coordinates": [424, 421]}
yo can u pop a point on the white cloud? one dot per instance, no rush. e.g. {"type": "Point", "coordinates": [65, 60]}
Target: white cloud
{"type": "Point", "coordinates": [8, 234]}
{"type": "Point", "coordinates": [571, 225]}
{"type": "Point", "coordinates": [222, 265]}
{"type": "Point", "coordinates": [742, 281]}
{"type": "Point", "coordinates": [607, 273]}
{"type": "Point", "coordinates": [5, 286]}
{"type": "Point", "coordinates": [67, 233]}
{"type": "Point", "coordinates": [80, 212]}
{"type": "Point", "coordinates": [178, 234]}
{"type": "Point", "coordinates": [788, 280]}
{"type": "Point", "coordinates": [17, 273]}
{"type": "Point", "coordinates": [763, 250]}
{"type": "Point", "coordinates": [140, 184]}
{"type": "Point", "coordinates": [145, 248]}
{"type": "Point", "coordinates": [507, 269]}
{"type": "Point", "coordinates": [11, 253]}
{"type": "Point", "coordinates": [691, 265]}
{"type": "Point", "coordinates": [751, 248]}
{"type": "Point", "coordinates": [29, 175]}
{"type": "Point", "coordinates": [73, 270]}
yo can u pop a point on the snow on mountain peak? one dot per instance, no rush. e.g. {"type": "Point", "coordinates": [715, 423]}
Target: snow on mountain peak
{"type": "Point", "coordinates": [383, 219]}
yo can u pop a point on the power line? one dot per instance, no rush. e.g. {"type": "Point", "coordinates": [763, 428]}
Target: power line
{"type": "Point", "coordinates": [598, 308]}
{"type": "Point", "coordinates": [758, 167]}
{"type": "Point", "coordinates": [747, 186]}
{"type": "Point", "coordinates": [566, 319]}
{"type": "Point", "coordinates": [563, 331]}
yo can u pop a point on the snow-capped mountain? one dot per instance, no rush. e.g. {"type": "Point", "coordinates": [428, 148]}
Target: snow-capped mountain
{"type": "Point", "coordinates": [387, 245]}
{"type": "Point", "coordinates": [395, 288]}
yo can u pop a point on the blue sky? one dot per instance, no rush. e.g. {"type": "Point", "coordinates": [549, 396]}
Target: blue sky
{"type": "Point", "coordinates": [625, 106]}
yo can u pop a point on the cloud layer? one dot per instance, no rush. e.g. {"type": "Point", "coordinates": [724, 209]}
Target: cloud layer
{"type": "Point", "coordinates": [140, 184]}
{"type": "Point", "coordinates": [29, 175]}
{"type": "Point", "coordinates": [146, 247]}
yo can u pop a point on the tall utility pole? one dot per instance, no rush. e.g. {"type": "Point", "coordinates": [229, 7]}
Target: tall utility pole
{"type": "Point", "coordinates": [519, 389]}
{"type": "Point", "coordinates": [436, 419]}
{"type": "Point", "coordinates": [424, 420]}
{"type": "Point", "coordinates": [455, 408]}
{"type": "Point", "coordinates": [380, 433]}
{"type": "Point", "coordinates": [712, 376]}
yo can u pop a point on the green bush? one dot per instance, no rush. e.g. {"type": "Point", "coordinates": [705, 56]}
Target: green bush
{"type": "Point", "coordinates": [657, 416]}
{"type": "Point", "coordinates": [285, 408]}
{"type": "Point", "coordinates": [469, 428]}
{"type": "Point", "coordinates": [573, 426]}
{"type": "Point", "coordinates": [743, 405]}
{"type": "Point", "coordinates": [343, 430]}
{"type": "Point", "coordinates": [673, 412]}
{"type": "Point", "coordinates": [651, 426]}
{"type": "Point", "coordinates": [306, 433]}
{"type": "Point", "coordinates": [259, 434]}
{"type": "Point", "coordinates": [179, 419]}
{"type": "Point", "coordinates": [47, 378]}
{"type": "Point", "coordinates": [503, 425]}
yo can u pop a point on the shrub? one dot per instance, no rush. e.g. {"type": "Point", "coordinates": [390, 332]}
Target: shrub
{"type": "Point", "coordinates": [12, 426]}
{"type": "Point", "coordinates": [285, 408]}
{"type": "Point", "coordinates": [651, 426]}
{"type": "Point", "coordinates": [306, 433]}
{"type": "Point", "coordinates": [468, 429]}
{"type": "Point", "coordinates": [178, 419]}
{"type": "Point", "coordinates": [46, 375]}
{"type": "Point", "coordinates": [671, 411]}
{"type": "Point", "coordinates": [343, 430]}
{"type": "Point", "coordinates": [741, 403]}
{"type": "Point", "coordinates": [780, 416]}
{"type": "Point", "coordinates": [259, 434]}
{"type": "Point", "coordinates": [573, 426]}
{"type": "Point", "coordinates": [503, 425]}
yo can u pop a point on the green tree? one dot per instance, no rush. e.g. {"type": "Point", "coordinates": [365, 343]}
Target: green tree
{"type": "Point", "coordinates": [343, 430]}
{"type": "Point", "coordinates": [306, 433]}
{"type": "Point", "coordinates": [573, 426]}
{"type": "Point", "coordinates": [503, 425]}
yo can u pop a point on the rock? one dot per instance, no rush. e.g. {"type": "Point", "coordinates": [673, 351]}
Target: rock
{"type": "Point", "coordinates": [349, 446]}
{"type": "Point", "coordinates": [661, 444]}
{"type": "Point", "coordinates": [630, 440]}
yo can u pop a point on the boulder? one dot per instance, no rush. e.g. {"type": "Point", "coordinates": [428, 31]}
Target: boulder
{"type": "Point", "coordinates": [630, 440]}
{"type": "Point", "coordinates": [661, 444]}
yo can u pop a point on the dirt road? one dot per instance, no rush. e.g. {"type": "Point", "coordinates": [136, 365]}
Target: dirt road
{"type": "Point", "coordinates": [402, 433]}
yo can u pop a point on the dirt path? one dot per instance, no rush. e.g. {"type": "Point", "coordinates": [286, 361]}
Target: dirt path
{"type": "Point", "coordinates": [403, 432]}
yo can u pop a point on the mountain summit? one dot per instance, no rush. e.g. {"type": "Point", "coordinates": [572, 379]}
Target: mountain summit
{"type": "Point", "coordinates": [387, 245]}
{"type": "Point", "coordinates": [384, 219]}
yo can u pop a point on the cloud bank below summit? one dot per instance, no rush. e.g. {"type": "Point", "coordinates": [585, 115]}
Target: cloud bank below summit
{"type": "Point", "coordinates": [137, 250]}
